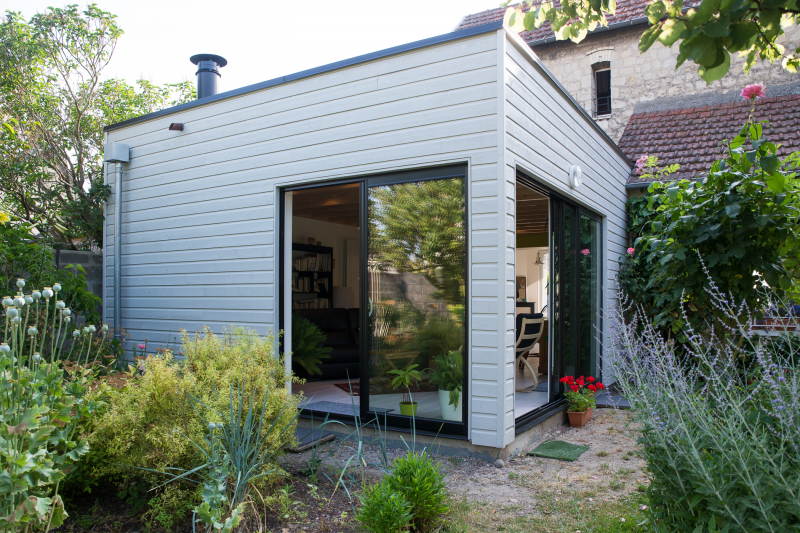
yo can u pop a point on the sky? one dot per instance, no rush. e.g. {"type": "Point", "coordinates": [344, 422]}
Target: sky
{"type": "Point", "coordinates": [260, 39]}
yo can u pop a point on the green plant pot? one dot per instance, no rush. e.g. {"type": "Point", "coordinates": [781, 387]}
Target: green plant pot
{"type": "Point", "coordinates": [408, 408]}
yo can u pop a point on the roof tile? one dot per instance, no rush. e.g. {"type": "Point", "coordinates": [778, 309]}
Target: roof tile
{"type": "Point", "coordinates": [702, 129]}
{"type": "Point", "coordinates": [627, 10]}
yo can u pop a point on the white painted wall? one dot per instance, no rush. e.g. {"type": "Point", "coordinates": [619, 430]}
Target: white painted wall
{"type": "Point", "coordinates": [329, 234]}
{"type": "Point", "coordinates": [534, 274]}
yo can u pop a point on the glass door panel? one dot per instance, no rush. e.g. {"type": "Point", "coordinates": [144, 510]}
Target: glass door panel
{"type": "Point", "coordinates": [589, 300]}
{"type": "Point", "coordinates": [416, 268]}
{"type": "Point", "coordinates": [569, 289]}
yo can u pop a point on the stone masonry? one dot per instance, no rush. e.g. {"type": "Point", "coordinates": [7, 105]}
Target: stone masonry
{"type": "Point", "coordinates": [637, 78]}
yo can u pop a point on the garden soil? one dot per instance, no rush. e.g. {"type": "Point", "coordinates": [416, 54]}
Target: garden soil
{"type": "Point", "coordinates": [609, 471]}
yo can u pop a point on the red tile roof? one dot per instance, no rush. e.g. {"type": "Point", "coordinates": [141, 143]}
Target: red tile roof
{"type": "Point", "coordinates": [691, 136]}
{"type": "Point", "coordinates": [627, 10]}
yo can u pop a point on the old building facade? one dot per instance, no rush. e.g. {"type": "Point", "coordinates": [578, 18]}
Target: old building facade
{"type": "Point", "coordinates": [634, 78]}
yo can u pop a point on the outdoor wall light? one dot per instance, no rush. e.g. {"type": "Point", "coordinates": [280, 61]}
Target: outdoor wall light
{"type": "Point", "coordinates": [176, 126]}
{"type": "Point", "coordinates": [575, 176]}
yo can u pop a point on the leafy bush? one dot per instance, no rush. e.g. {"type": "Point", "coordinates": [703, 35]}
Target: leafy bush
{"type": "Point", "coordinates": [166, 508]}
{"type": "Point", "coordinates": [719, 420]}
{"type": "Point", "coordinates": [384, 510]}
{"type": "Point", "coordinates": [307, 349]}
{"type": "Point", "coordinates": [24, 256]}
{"type": "Point", "coordinates": [419, 480]}
{"type": "Point", "coordinates": [151, 424]}
{"type": "Point", "coordinates": [741, 218]}
{"type": "Point", "coordinates": [41, 402]}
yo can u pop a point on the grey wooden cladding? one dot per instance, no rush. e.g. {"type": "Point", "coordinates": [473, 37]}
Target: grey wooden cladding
{"type": "Point", "coordinates": [199, 212]}
{"type": "Point", "coordinates": [200, 207]}
{"type": "Point", "coordinates": [546, 134]}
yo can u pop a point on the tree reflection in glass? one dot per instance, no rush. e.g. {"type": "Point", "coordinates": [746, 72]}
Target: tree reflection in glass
{"type": "Point", "coordinates": [416, 264]}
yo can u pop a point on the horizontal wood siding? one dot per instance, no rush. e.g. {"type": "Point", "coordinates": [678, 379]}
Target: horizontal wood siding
{"type": "Point", "coordinates": [199, 210]}
{"type": "Point", "coordinates": [545, 134]}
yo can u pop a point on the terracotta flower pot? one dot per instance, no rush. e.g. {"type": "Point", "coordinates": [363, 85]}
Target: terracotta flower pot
{"type": "Point", "coordinates": [578, 419]}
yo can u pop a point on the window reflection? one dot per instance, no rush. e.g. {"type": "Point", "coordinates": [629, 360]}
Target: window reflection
{"type": "Point", "coordinates": [416, 266]}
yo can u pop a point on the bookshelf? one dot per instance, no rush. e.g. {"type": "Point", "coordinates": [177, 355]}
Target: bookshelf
{"type": "Point", "coordinates": [312, 276]}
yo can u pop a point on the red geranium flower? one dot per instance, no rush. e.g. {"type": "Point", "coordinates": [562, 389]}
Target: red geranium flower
{"type": "Point", "coordinates": [590, 379]}
{"type": "Point", "coordinates": [580, 382]}
{"type": "Point", "coordinates": [600, 385]}
{"type": "Point", "coordinates": [574, 388]}
{"type": "Point", "coordinates": [592, 388]}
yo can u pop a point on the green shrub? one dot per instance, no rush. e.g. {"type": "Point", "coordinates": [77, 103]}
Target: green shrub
{"type": "Point", "coordinates": [731, 228]}
{"type": "Point", "coordinates": [150, 424]}
{"type": "Point", "coordinates": [419, 480]}
{"type": "Point", "coordinates": [23, 255]}
{"type": "Point", "coordinates": [384, 510]}
{"type": "Point", "coordinates": [172, 504]}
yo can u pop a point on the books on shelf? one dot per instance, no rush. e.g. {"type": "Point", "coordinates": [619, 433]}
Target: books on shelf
{"type": "Point", "coordinates": [314, 263]}
{"type": "Point", "coordinates": [304, 284]}
{"type": "Point", "coordinates": [316, 303]}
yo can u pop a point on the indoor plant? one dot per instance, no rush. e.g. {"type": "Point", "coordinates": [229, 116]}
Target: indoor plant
{"type": "Point", "coordinates": [307, 345]}
{"type": "Point", "coordinates": [580, 398]}
{"type": "Point", "coordinates": [405, 380]}
{"type": "Point", "coordinates": [449, 377]}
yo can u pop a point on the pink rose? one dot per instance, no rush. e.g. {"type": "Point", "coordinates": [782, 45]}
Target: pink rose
{"type": "Point", "coordinates": [141, 346]}
{"type": "Point", "coordinates": [585, 251]}
{"type": "Point", "coordinates": [754, 91]}
{"type": "Point", "coordinates": [640, 164]}
{"type": "Point", "coordinates": [630, 251]}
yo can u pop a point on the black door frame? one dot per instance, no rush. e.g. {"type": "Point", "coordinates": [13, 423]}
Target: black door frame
{"type": "Point", "coordinates": [559, 204]}
{"type": "Point", "coordinates": [399, 423]}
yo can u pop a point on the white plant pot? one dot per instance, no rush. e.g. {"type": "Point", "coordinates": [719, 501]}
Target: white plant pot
{"type": "Point", "coordinates": [450, 413]}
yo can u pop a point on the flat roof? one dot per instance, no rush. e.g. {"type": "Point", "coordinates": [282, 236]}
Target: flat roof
{"type": "Point", "coordinates": [452, 36]}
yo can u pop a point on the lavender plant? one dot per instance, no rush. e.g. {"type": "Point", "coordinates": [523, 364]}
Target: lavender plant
{"type": "Point", "coordinates": [719, 418]}
{"type": "Point", "coordinates": [40, 405]}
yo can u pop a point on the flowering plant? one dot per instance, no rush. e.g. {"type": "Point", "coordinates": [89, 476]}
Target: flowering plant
{"type": "Point", "coordinates": [580, 392]}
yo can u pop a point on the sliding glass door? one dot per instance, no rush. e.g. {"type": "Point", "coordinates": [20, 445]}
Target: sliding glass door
{"type": "Point", "coordinates": [416, 300]}
{"type": "Point", "coordinates": [576, 283]}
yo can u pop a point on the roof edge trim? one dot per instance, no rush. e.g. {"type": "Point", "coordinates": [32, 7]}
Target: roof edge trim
{"type": "Point", "coordinates": [523, 47]}
{"type": "Point", "coordinates": [452, 36]}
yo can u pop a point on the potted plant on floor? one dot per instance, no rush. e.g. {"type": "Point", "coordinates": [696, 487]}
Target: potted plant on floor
{"type": "Point", "coordinates": [307, 345]}
{"type": "Point", "coordinates": [404, 381]}
{"type": "Point", "coordinates": [580, 398]}
{"type": "Point", "coordinates": [449, 377]}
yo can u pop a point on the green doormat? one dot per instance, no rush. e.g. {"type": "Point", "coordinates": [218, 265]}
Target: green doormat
{"type": "Point", "coordinates": [558, 449]}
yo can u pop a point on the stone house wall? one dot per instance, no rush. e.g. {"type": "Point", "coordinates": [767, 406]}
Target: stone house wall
{"type": "Point", "coordinates": [644, 77]}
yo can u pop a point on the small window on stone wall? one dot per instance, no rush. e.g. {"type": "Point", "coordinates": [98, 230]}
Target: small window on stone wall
{"type": "Point", "coordinates": [601, 77]}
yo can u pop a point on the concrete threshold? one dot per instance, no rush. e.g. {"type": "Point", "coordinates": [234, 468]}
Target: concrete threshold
{"type": "Point", "coordinates": [457, 447]}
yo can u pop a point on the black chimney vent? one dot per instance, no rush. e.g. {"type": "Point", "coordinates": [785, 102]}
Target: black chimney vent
{"type": "Point", "coordinates": [208, 66]}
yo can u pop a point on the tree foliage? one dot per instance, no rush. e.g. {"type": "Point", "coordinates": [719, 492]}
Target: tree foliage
{"type": "Point", "coordinates": [53, 96]}
{"type": "Point", "coordinates": [709, 31]}
{"type": "Point", "coordinates": [419, 228]}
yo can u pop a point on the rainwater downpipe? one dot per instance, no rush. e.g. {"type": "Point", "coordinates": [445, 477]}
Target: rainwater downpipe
{"type": "Point", "coordinates": [117, 153]}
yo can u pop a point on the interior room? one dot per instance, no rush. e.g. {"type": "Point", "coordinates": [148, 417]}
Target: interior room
{"type": "Point", "coordinates": [532, 279]}
{"type": "Point", "coordinates": [325, 292]}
